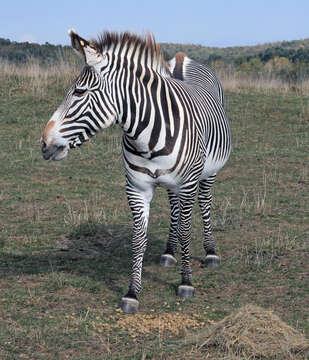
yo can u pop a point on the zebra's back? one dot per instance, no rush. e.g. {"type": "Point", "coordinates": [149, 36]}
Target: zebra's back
{"type": "Point", "coordinates": [198, 75]}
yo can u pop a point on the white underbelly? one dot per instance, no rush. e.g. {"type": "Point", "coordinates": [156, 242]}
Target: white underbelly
{"type": "Point", "coordinates": [211, 167]}
{"type": "Point", "coordinates": [168, 181]}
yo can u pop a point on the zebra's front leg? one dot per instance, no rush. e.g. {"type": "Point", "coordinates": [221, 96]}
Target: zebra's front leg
{"type": "Point", "coordinates": [139, 203]}
{"type": "Point", "coordinates": [204, 199]}
{"type": "Point", "coordinates": [186, 202]}
{"type": "Point", "coordinates": [168, 258]}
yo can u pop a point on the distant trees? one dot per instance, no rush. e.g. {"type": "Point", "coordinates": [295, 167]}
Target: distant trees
{"type": "Point", "coordinates": [288, 60]}
{"type": "Point", "coordinates": [287, 64]}
{"type": "Point", "coordinates": [21, 52]}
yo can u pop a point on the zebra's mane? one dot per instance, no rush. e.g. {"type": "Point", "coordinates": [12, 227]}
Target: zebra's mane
{"type": "Point", "coordinates": [109, 39]}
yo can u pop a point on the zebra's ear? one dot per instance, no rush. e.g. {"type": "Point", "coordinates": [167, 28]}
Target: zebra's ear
{"type": "Point", "coordinates": [78, 43]}
{"type": "Point", "coordinates": [84, 48]}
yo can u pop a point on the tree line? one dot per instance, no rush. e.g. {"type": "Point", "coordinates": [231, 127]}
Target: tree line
{"type": "Point", "coordinates": [288, 60]}
{"type": "Point", "coordinates": [21, 52]}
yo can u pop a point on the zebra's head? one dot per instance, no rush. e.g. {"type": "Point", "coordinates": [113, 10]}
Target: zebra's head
{"type": "Point", "coordinates": [87, 108]}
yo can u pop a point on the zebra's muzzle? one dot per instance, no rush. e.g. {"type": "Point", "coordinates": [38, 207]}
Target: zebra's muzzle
{"type": "Point", "coordinates": [53, 152]}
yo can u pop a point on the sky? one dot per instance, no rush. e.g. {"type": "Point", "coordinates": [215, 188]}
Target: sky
{"type": "Point", "coordinates": [219, 23]}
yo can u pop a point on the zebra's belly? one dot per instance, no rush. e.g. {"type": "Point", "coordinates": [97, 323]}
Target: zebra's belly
{"type": "Point", "coordinates": [211, 167]}
{"type": "Point", "coordinates": [160, 171]}
{"type": "Point", "coordinates": [143, 180]}
{"type": "Point", "coordinates": [168, 181]}
{"type": "Point", "coordinates": [144, 173]}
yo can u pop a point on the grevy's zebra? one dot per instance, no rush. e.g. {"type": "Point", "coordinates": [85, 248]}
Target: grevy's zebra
{"type": "Point", "coordinates": [175, 134]}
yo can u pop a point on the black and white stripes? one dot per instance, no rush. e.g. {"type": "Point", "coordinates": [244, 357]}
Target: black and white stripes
{"type": "Point", "coordinates": [175, 134]}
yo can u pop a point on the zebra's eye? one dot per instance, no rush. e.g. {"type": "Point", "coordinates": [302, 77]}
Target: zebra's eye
{"type": "Point", "coordinates": [79, 92]}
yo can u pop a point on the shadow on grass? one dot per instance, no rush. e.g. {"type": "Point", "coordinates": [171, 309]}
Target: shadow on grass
{"type": "Point", "coordinates": [102, 253]}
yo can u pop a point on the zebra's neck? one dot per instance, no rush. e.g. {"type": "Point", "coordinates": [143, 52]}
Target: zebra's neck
{"type": "Point", "coordinates": [139, 86]}
{"type": "Point", "coordinates": [142, 118]}
{"type": "Point", "coordinates": [133, 80]}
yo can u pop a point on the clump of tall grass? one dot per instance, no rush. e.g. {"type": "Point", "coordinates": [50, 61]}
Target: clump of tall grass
{"type": "Point", "coordinates": [252, 332]}
{"type": "Point", "coordinates": [236, 81]}
{"type": "Point", "coordinates": [35, 78]}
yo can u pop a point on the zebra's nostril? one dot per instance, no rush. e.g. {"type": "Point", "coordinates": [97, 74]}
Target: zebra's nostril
{"type": "Point", "coordinates": [43, 145]}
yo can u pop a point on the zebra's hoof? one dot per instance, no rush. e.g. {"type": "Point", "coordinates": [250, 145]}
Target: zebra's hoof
{"type": "Point", "coordinates": [185, 291]}
{"type": "Point", "coordinates": [167, 260]}
{"type": "Point", "coordinates": [129, 305]}
{"type": "Point", "coordinates": [212, 261]}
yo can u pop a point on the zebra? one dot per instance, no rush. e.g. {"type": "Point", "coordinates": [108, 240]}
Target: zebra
{"type": "Point", "coordinates": [175, 134]}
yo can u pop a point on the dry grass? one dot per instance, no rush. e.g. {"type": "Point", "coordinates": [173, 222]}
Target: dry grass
{"type": "Point", "coordinates": [237, 82]}
{"type": "Point", "coordinates": [141, 325]}
{"type": "Point", "coordinates": [88, 211]}
{"type": "Point", "coordinates": [37, 77]}
{"type": "Point", "coordinates": [233, 82]}
{"type": "Point", "coordinates": [253, 332]}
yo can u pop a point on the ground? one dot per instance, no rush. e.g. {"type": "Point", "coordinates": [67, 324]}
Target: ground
{"type": "Point", "coordinates": [65, 235]}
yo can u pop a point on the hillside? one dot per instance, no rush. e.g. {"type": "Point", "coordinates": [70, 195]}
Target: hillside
{"type": "Point", "coordinates": [293, 50]}
{"type": "Point", "coordinates": [286, 60]}
{"type": "Point", "coordinates": [19, 52]}
{"type": "Point", "coordinates": [290, 49]}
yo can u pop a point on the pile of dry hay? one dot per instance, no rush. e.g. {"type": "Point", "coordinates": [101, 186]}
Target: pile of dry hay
{"type": "Point", "coordinates": [255, 332]}
{"type": "Point", "coordinates": [141, 325]}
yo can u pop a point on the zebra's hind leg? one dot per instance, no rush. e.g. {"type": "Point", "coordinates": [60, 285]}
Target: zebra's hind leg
{"type": "Point", "coordinates": [168, 258]}
{"type": "Point", "coordinates": [204, 199]}
{"type": "Point", "coordinates": [139, 204]}
{"type": "Point", "coordinates": [186, 201]}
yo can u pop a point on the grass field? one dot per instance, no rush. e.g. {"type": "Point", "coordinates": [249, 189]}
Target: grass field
{"type": "Point", "coordinates": [65, 234]}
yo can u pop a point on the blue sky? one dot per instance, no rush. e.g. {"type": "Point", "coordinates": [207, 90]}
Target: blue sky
{"type": "Point", "coordinates": [210, 23]}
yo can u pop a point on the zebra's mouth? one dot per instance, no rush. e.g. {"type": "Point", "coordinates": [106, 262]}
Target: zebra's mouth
{"type": "Point", "coordinates": [54, 152]}
{"type": "Point", "coordinates": [60, 153]}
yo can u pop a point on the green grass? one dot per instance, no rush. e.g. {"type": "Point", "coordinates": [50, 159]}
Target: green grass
{"type": "Point", "coordinates": [65, 233]}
